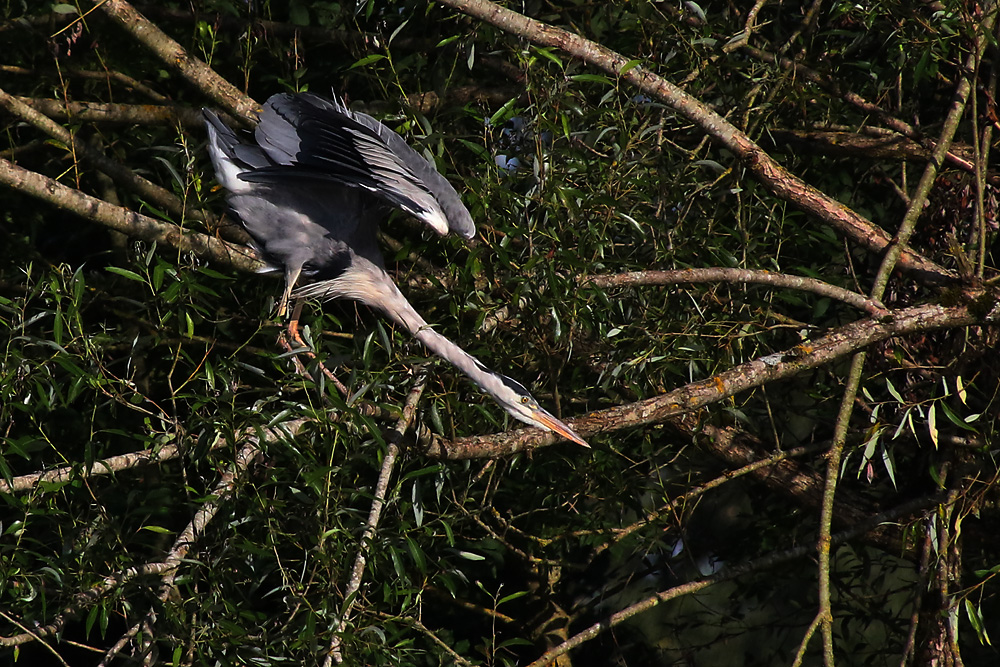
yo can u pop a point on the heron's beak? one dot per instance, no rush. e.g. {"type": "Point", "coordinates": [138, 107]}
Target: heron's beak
{"type": "Point", "coordinates": [557, 426]}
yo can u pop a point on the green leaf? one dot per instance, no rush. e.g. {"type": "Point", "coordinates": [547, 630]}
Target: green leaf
{"type": "Point", "coordinates": [158, 529]}
{"type": "Point", "coordinates": [962, 423]}
{"type": "Point", "coordinates": [547, 53]}
{"type": "Point", "coordinates": [591, 78]}
{"type": "Point", "coordinates": [125, 273]}
{"type": "Point", "coordinates": [628, 67]}
{"type": "Point", "coordinates": [298, 14]}
{"type": "Point", "coordinates": [975, 614]}
{"type": "Point", "coordinates": [512, 596]}
{"type": "Point", "coordinates": [932, 424]}
{"type": "Point", "coordinates": [892, 390]}
{"type": "Point", "coordinates": [63, 8]}
{"type": "Point", "coordinates": [367, 60]}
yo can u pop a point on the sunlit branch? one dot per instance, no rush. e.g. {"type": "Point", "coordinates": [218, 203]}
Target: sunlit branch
{"type": "Point", "coordinates": [873, 307]}
{"type": "Point", "coordinates": [135, 225]}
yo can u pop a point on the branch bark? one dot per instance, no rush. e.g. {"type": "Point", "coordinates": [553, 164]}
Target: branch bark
{"type": "Point", "coordinates": [175, 56]}
{"type": "Point", "coordinates": [873, 307]}
{"type": "Point", "coordinates": [806, 355]}
{"type": "Point", "coordinates": [128, 222]}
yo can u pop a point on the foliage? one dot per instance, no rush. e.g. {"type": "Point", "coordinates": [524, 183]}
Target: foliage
{"type": "Point", "coordinates": [115, 346]}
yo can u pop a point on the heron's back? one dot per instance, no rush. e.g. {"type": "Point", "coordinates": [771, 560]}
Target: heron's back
{"type": "Point", "coordinates": [296, 222]}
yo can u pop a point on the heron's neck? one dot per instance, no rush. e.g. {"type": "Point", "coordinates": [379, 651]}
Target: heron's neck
{"type": "Point", "coordinates": [379, 292]}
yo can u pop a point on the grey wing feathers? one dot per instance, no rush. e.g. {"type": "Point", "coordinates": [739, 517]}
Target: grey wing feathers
{"type": "Point", "coordinates": [325, 140]}
{"type": "Point", "coordinates": [230, 157]}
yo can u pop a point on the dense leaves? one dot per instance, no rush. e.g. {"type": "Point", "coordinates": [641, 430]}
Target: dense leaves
{"type": "Point", "coordinates": [114, 346]}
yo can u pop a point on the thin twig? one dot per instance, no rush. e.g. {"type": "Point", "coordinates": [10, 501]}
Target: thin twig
{"type": "Point", "coordinates": [123, 220]}
{"type": "Point", "coordinates": [176, 57]}
{"type": "Point", "coordinates": [121, 174]}
{"type": "Point", "coordinates": [889, 261]}
{"type": "Point", "coordinates": [378, 502]}
{"type": "Point", "coordinates": [28, 631]}
{"type": "Point", "coordinates": [83, 600]}
{"type": "Point", "coordinates": [159, 115]}
{"type": "Point", "coordinates": [769, 172]}
{"type": "Point", "coordinates": [873, 307]}
{"type": "Point", "coordinates": [412, 622]}
{"type": "Point", "coordinates": [762, 563]}
{"type": "Point", "coordinates": [808, 354]}
{"type": "Point", "coordinates": [125, 79]}
{"type": "Point", "coordinates": [196, 527]}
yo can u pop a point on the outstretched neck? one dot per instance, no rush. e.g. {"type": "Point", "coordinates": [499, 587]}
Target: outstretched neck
{"type": "Point", "coordinates": [370, 285]}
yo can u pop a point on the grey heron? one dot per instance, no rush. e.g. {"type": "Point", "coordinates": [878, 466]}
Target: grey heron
{"type": "Point", "coordinates": [311, 189]}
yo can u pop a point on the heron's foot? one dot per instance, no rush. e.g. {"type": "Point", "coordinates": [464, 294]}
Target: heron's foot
{"type": "Point", "coordinates": [293, 329]}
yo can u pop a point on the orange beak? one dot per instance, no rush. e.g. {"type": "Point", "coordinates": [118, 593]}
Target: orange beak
{"type": "Point", "coordinates": [557, 426]}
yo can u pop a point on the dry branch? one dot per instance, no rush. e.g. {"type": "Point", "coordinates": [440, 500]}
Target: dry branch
{"type": "Point", "coordinates": [806, 355]}
{"type": "Point", "coordinates": [173, 55]}
{"type": "Point", "coordinates": [132, 114]}
{"type": "Point", "coordinates": [905, 510]}
{"type": "Point", "coordinates": [99, 75]}
{"type": "Point", "coordinates": [117, 171]}
{"type": "Point", "coordinates": [125, 221]}
{"type": "Point", "coordinates": [873, 307]}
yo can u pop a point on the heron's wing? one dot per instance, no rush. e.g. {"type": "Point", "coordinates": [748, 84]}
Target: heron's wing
{"type": "Point", "coordinates": [230, 156]}
{"type": "Point", "coordinates": [323, 139]}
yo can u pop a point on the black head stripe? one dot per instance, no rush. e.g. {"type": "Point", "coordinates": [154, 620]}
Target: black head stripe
{"type": "Point", "coordinates": [514, 385]}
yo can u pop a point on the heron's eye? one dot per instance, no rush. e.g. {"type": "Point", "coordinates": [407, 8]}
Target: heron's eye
{"type": "Point", "coordinates": [524, 400]}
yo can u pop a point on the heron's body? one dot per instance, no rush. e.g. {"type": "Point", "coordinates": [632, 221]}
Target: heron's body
{"type": "Point", "coordinates": [312, 189]}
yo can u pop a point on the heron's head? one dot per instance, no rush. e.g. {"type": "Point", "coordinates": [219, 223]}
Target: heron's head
{"type": "Point", "coordinates": [516, 400]}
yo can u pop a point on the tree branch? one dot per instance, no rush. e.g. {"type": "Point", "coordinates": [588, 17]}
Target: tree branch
{"type": "Point", "coordinates": [378, 502]}
{"type": "Point", "coordinates": [173, 55]}
{"type": "Point", "coordinates": [727, 574]}
{"type": "Point", "coordinates": [132, 114]}
{"type": "Point", "coordinates": [806, 355]}
{"type": "Point", "coordinates": [128, 222]}
{"type": "Point", "coordinates": [117, 171]}
{"type": "Point", "coordinates": [873, 307]}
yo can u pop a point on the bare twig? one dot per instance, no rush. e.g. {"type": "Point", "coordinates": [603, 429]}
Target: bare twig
{"type": "Point", "coordinates": [28, 631]}
{"type": "Point", "coordinates": [765, 562]}
{"type": "Point", "coordinates": [132, 114]}
{"type": "Point", "coordinates": [873, 307]}
{"type": "Point", "coordinates": [378, 502]}
{"type": "Point", "coordinates": [892, 256]}
{"type": "Point", "coordinates": [414, 623]}
{"type": "Point", "coordinates": [809, 354]}
{"type": "Point", "coordinates": [121, 77]}
{"type": "Point", "coordinates": [117, 171]}
{"type": "Point", "coordinates": [84, 599]}
{"type": "Point", "coordinates": [108, 466]}
{"type": "Point", "coordinates": [196, 527]}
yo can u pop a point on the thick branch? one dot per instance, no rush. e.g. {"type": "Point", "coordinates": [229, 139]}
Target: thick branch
{"type": "Point", "coordinates": [810, 354]}
{"type": "Point", "coordinates": [132, 114]}
{"type": "Point", "coordinates": [123, 220]}
{"type": "Point", "coordinates": [771, 560]}
{"type": "Point", "coordinates": [170, 52]}
{"type": "Point", "coordinates": [117, 171]}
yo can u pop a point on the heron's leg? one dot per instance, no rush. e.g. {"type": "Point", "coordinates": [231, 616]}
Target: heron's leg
{"type": "Point", "coordinates": [291, 277]}
{"type": "Point", "coordinates": [293, 325]}
{"type": "Point", "coordinates": [291, 336]}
